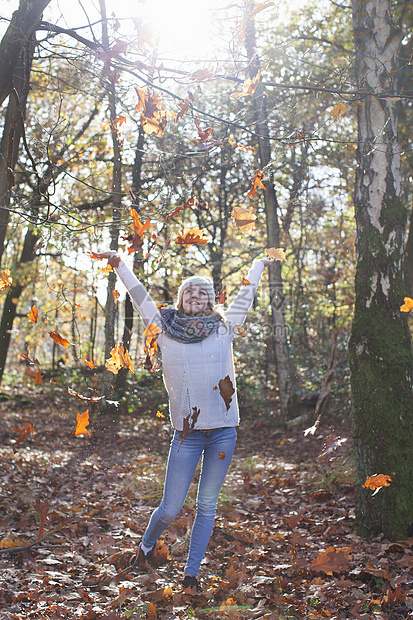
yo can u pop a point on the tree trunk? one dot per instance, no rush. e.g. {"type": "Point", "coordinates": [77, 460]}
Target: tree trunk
{"type": "Point", "coordinates": [23, 24]}
{"type": "Point", "coordinates": [110, 309]}
{"type": "Point", "coordinates": [279, 328]}
{"type": "Point", "coordinates": [12, 133]}
{"type": "Point", "coordinates": [13, 295]}
{"type": "Point", "coordinates": [380, 353]}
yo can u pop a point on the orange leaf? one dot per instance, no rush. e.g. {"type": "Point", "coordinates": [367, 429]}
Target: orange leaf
{"type": "Point", "coordinates": [249, 87]}
{"type": "Point", "coordinates": [331, 561]}
{"type": "Point", "coordinates": [119, 120]}
{"type": "Point", "coordinates": [42, 508]}
{"type": "Point", "coordinates": [5, 279]}
{"type": "Point", "coordinates": [119, 358]}
{"type": "Point", "coordinates": [277, 253]}
{"type": "Point", "coordinates": [151, 331]}
{"type": "Point", "coordinates": [26, 430]}
{"type": "Point", "coordinates": [90, 364]}
{"type": "Point", "coordinates": [190, 236]}
{"type": "Point", "coordinates": [82, 420]}
{"type": "Point", "coordinates": [151, 615]}
{"type": "Point", "coordinates": [244, 218]}
{"type": "Point", "coordinates": [59, 339]}
{"type": "Point", "coordinates": [226, 389]}
{"type": "Point", "coordinates": [159, 414]}
{"type": "Point", "coordinates": [222, 295]}
{"type": "Point", "coordinates": [138, 229]}
{"type": "Point", "coordinates": [408, 305]}
{"type": "Point", "coordinates": [115, 294]}
{"type": "Point", "coordinates": [37, 375]}
{"type": "Point", "coordinates": [241, 331]}
{"type": "Point", "coordinates": [33, 314]}
{"type": "Point", "coordinates": [377, 481]}
{"type": "Point", "coordinates": [338, 111]}
{"type": "Point", "coordinates": [256, 182]}
{"type": "Point", "coordinates": [239, 146]}
{"type": "Point", "coordinates": [245, 282]}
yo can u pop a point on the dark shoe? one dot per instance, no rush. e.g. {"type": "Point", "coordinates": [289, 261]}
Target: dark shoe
{"type": "Point", "coordinates": [189, 581]}
{"type": "Point", "coordinates": [143, 560]}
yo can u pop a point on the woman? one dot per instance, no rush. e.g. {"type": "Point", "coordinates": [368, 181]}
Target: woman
{"type": "Point", "coordinates": [198, 368]}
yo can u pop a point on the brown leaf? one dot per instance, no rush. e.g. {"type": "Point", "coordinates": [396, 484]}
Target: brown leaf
{"type": "Point", "coordinates": [227, 390]}
{"type": "Point", "coordinates": [189, 423]}
{"type": "Point", "coordinates": [59, 339]}
{"type": "Point", "coordinates": [222, 295]}
{"type": "Point", "coordinates": [244, 218]}
{"type": "Point", "coordinates": [191, 236]}
{"type": "Point", "coordinates": [332, 561]}
{"type": "Point", "coordinates": [26, 430]}
{"type": "Point", "coordinates": [277, 253]}
{"type": "Point", "coordinates": [249, 86]}
{"type": "Point", "coordinates": [42, 508]}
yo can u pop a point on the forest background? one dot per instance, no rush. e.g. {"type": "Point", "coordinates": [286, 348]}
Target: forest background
{"type": "Point", "coordinates": [125, 128]}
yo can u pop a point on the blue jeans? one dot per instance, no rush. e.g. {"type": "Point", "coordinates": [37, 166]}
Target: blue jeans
{"type": "Point", "coordinates": [216, 448]}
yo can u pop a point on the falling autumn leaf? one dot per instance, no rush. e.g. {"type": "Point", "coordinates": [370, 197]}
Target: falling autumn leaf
{"type": "Point", "coordinates": [26, 430]}
{"type": "Point", "coordinates": [42, 508]}
{"type": "Point", "coordinates": [90, 364]}
{"type": "Point", "coordinates": [82, 420]}
{"type": "Point", "coordinates": [377, 482]}
{"type": "Point", "coordinates": [338, 111]}
{"type": "Point", "coordinates": [33, 314]}
{"type": "Point", "coordinates": [226, 389]}
{"type": "Point", "coordinates": [115, 294]}
{"type": "Point", "coordinates": [183, 105]}
{"type": "Point", "coordinates": [165, 247]}
{"type": "Point", "coordinates": [244, 218]}
{"type": "Point", "coordinates": [107, 269]}
{"type": "Point", "coordinates": [189, 203]}
{"type": "Point", "coordinates": [151, 331]}
{"type": "Point", "coordinates": [249, 87]}
{"type": "Point", "coordinates": [159, 414]}
{"type": "Point", "coordinates": [245, 282]}
{"type": "Point", "coordinates": [241, 331]}
{"type": "Point", "coordinates": [119, 358]}
{"type": "Point", "coordinates": [189, 423]}
{"type": "Point", "coordinates": [91, 399]}
{"type": "Point", "coordinates": [37, 375]}
{"type": "Point", "coordinates": [408, 305]}
{"type": "Point", "coordinates": [222, 295]}
{"type": "Point", "coordinates": [240, 146]}
{"type": "Point", "coordinates": [138, 229]}
{"type": "Point", "coordinates": [191, 236]}
{"type": "Point", "coordinates": [256, 182]}
{"type": "Point", "coordinates": [277, 253]}
{"type": "Point", "coordinates": [154, 116]}
{"type": "Point", "coordinates": [5, 279]}
{"type": "Point", "coordinates": [59, 339]}
{"type": "Point", "coordinates": [331, 561]}
{"type": "Point", "coordinates": [201, 75]}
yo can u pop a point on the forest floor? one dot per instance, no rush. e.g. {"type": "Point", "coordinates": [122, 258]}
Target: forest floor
{"type": "Point", "coordinates": [283, 545]}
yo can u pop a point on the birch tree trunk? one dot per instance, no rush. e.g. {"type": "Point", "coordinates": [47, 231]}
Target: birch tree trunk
{"type": "Point", "coordinates": [380, 352]}
{"type": "Point", "coordinates": [279, 327]}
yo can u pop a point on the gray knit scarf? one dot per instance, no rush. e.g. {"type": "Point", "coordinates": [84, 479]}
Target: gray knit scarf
{"type": "Point", "coordinates": [188, 329]}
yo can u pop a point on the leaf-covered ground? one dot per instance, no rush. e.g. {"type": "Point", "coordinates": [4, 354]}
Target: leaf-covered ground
{"type": "Point", "coordinates": [283, 545]}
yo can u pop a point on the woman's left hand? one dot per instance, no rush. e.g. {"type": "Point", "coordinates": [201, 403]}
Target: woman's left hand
{"type": "Point", "coordinates": [267, 261]}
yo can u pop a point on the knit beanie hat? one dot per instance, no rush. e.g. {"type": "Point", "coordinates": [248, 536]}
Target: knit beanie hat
{"type": "Point", "coordinates": [205, 283]}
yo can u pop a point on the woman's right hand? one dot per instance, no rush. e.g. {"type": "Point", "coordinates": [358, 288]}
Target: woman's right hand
{"type": "Point", "coordinates": [112, 256]}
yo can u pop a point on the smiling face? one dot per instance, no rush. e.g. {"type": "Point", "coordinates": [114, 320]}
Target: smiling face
{"type": "Point", "coordinates": [194, 300]}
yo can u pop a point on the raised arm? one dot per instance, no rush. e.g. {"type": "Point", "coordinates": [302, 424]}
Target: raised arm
{"type": "Point", "coordinates": [238, 308]}
{"type": "Point", "coordinates": [141, 299]}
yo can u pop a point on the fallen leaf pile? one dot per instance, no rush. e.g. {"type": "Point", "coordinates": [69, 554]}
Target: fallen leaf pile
{"type": "Point", "coordinates": [73, 510]}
